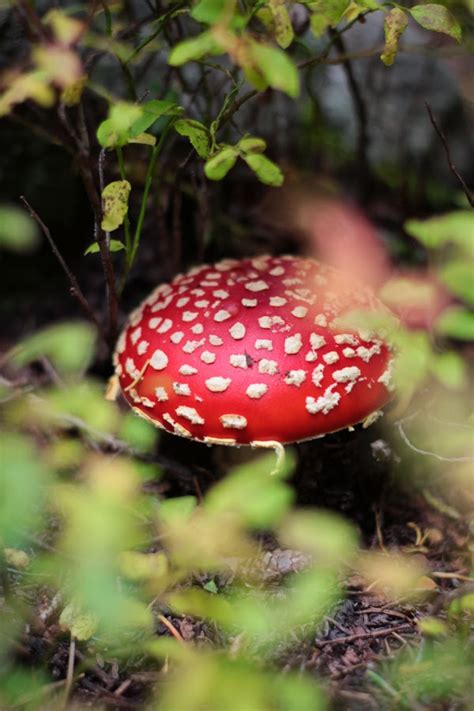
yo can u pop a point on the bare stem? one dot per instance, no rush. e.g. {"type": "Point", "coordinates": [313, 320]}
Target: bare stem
{"type": "Point", "coordinates": [75, 289]}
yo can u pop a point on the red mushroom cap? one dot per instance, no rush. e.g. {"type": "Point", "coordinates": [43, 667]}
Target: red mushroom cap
{"type": "Point", "coordinates": [246, 352]}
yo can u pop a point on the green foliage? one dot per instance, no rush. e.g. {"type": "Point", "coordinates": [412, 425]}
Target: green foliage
{"type": "Point", "coordinates": [18, 232]}
{"type": "Point", "coordinates": [437, 18]}
{"type": "Point", "coordinates": [198, 134]}
{"type": "Point", "coordinates": [69, 346]}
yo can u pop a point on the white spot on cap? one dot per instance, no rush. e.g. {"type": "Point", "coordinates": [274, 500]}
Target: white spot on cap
{"type": "Point", "coordinates": [189, 316]}
{"type": "Point", "coordinates": [346, 338]}
{"type": "Point", "coordinates": [264, 343]}
{"type": "Point", "coordinates": [237, 331]}
{"type": "Point", "coordinates": [345, 375]}
{"type": "Point", "coordinates": [277, 271]}
{"type": "Point", "coordinates": [278, 301]}
{"type": "Point", "coordinates": [202, 304]}
{"type": "Point", "coordinates": [218, 384]}
{"type": "Point", "coordinates": [256, 390]}
{"type": "Point", "coordinates": [189, 413]}
{"type": "Point", "coordinates": [181, 389]}
{"type": "Point", "coordinates": [317, 375]}
{"type": "Point", "coordinates": [198, 328]}
{"type": "Point", "coordinates": [311, 356]}
{"type": "Point", "coordinates": [215, 340]}
{"type": "Point", "coordinates": [135, 335]}
{"type": "Point", "coordinates": [187, 370]}
{"type": "Point", "coordinates": [324, 403]}
{"type": "Point", "coordinates": [221, 294]}
{"type": "Point", "coordinates": [142, 347]}
{"type": "Point", "coordinates": [236, 422]}
{"type": "Point", "coordinates": [349, 353]}
{"type": "Point", "coordinates": [197, 292]}
{"type": "Point", "coordinates": [300, 311]}
{"type": "Point", "coordinates": [386, 377]}
{"type": "Point", "coordinates": [293, 344]}
{"type": "Point", "coordinates": [221, 315]}
{"type": "Point", "coordinates": [190, 346]}
{"type": "Point", "coordinates": [270, 321]}
{"type": "Point", "coordinates": [177, 337]}
{"type": "Point", "coordinates": [131, 368]}
{"type": "Point", "coordinates": [367, 353]}
{"type": "Point", "coordinates": [165, 326]}
{"type": "Point", "coordinates": [159, 360]}
{"type": "Point", "coordinates": [268, 367]}
{"type": "Point", "coordinates": [331, 357]}
{"type": "Point", "coordinates": [238, 361]}
{"type": "Point", "coordinates": [154, 322]}
{"type": "Point", "coordinates": [147, 402]}
{"type": "Point", "coordinates": [161, 394]}
{"type": "Point", "coordinates": [321, 320]}
{"type": "Point", "coordinates": [182, 302]}
{"type": "Point", "coordinates": [255, 286]}
{"type": "Point", "coordinates": [295, 377]}
{"type": "Point", "coordinates": [317, 341]}
{"type": "Point", "coordinates": [208, 357]}
{"type": "Point", "coordinates": [122, 342]}
{"type": "Point", "coordinates": [160, 305]}
{"type": "Point", "coordinates": [249, 303]}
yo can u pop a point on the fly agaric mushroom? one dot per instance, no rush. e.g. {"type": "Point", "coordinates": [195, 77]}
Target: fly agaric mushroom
{"type": "Point", "coordinates": [249, 353]}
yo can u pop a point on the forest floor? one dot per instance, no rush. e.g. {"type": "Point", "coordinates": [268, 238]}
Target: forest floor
{"type": "Point", "coordinates": [363, 631]}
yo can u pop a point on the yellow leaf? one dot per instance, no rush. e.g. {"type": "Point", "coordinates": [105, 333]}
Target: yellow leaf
{"type": "Point", "coordinates": [32, 85]}
{"type": "Point", "coordinates": [115, 204]}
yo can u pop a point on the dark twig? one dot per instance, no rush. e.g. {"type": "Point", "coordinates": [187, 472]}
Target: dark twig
{"type": "Point", "coordinates": [447, 150]}
{"type": "Point", "coordinates": [360, 111]}
{"type": "Point", "coordinates": [75, 289]}
{"type": "Point", "coordinates": [365, 635]}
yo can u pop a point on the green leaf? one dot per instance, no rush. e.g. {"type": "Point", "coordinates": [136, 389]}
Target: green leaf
{"type": "Point", "coordinates": [265, 170]}
{"type": "Point", "coordinates": [452, 228]}
{"type": "Point", "coordinates": [276, 67]}
{"type": "Point", "coordinates": [282, 27]}
{"type": "Point", "coordinates": [326, 13]}
{"type": "Point", "coordinates": [151, 112]}
{"type": "Point", "coordinates": [18, 231]}
{"type": "Point", "coordinates": [459, 278]}
{"type": "Point", "coordinates": [115, 245]}
{"type": "Point", "coordinates": [209, 11]}
{"type": "Point", "coordinates": [433, 627]}
{"type": "Point", "coordinates": [115, 204]}
{"type": "Point", "coordinates": [354, 9]}
{"type": "Point", "coordinates": [449, 368]}
{"type": "Point", "coordinates": [191, 49]}
{"type": "Point", "coordinates": [250, 493]}
{"type": "Point", "coordinates": [437, 18]}
{"type": "Point", "coordinates": [179, 509]}
{"type": "Point", "coordinates": [211, 587]}
{"type": "Point", "coordinates": [23, 483]}
{"type": "Point", "coordinates": [145, 139]}
{"type": "Point", "coordinates": [457, 323]}
{"type": "Point", "coordinates": [220, 163]}
{"type": "Point", "coordinates": [197, 133]}
{"type": "Point", "coordinates": [394, 26]}
{"type": "Point", "coordinates": [250, 144]}
{"type": "Point", "coordinates": [115, 130]}
{"type": "Point", "coordinates": [70, 347]}
{"type": "Point", "coordinates": [82, 625]}
{"type": "Point", "coordinates": [137, 432]}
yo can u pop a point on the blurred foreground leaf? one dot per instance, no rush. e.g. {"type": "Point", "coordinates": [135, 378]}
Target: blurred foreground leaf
{"type": "Point", "coordinates": [18, 231]}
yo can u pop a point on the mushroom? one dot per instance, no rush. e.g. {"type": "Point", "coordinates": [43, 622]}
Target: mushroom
{"type": "Point", "coordinates": [250, 352]}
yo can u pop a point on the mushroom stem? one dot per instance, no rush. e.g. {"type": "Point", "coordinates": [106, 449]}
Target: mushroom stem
{"type": "Point", "coordinates": [279, 450]}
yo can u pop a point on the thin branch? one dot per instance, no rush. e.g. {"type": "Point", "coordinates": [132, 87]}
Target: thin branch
{"type": "Point", "coordinates": [360, 111]}
{"type": "Point", "coordinates": [425, 452]}
{"type": "Point", "coordinates": [447, 150]}
{"type": "Point", "coordinates": [75, 289]}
